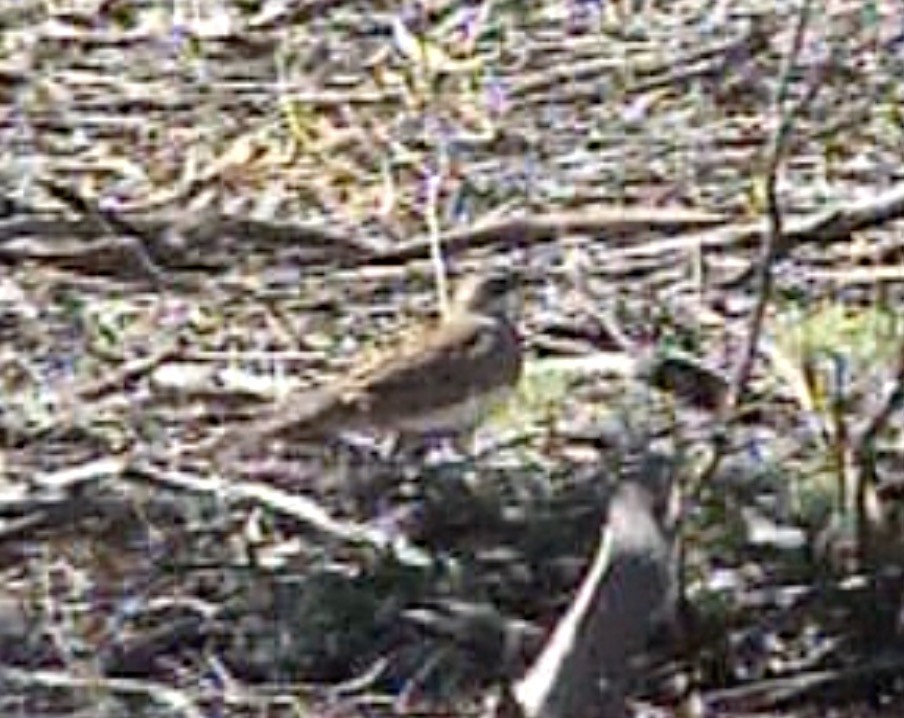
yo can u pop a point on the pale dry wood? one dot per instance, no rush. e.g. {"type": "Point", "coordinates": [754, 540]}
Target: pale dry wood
{"type": "Point", "coordinates": [175, 702]}
{"type": "Point", "coordinates": [581, 671]}
{"type": "Point", "coordinates": [308, 513]}
{"type": "Point", "coordinates": [530, 229]}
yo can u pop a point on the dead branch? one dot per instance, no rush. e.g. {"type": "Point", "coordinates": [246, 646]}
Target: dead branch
{"type": "Point", "coordinates": [53, 498]}
{"type": "Point", "coordinates": [305, 511]}
{"type": "Point", "coordinates": [529, 229]}
{"type": "Point", "coordinates": [772, 237]}
{"type": "Point", "coordinates": [175, 702]}
{"type": "Point", "coordinates": [774, 694]}
{"type": "Point", "coordinates": [103, 241]}
{"type": "Point", "coordinates": [130, 371]}
{"type": "Point", "coordinates": [583, 668]}
{"type": "Point", "coordinates": [532, 88]}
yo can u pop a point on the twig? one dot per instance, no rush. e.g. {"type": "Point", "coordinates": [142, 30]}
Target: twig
{"type": "Point", "coordinates": [775, 693]}
{"type": "Point", "coordinates": [823, 228]}
{"type": "Point", "coordinates": [526, 230]}
{"type": "Point", "coordinates": [879, 419]}
{"type": "Point", "coordinates": [303, 510]}
{"type": "Point", "coordinates": [434, 186]}
{"type": "Point", "coordinates": [112, 223]}
{"type": "Point", "coordinates": [776, 150]}
{"type": "Point", "coordinates": [175, 702]}
{"type": "Point", "coordinates": [129, 371]}
{"type": "Point", "coordinates": [74, 478]}
{"type": "Point", "coordinates": [862, 458]}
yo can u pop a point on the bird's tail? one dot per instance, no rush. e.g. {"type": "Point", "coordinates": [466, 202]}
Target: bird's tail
{"type": "Point", "coordinates": [301, 417]}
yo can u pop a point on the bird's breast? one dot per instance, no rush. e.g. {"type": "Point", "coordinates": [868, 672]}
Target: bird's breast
{"type": "Point", "coordinates": [462, 415]}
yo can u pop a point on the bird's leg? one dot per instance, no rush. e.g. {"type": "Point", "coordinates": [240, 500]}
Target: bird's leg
{"type": "Point", "coordinates": [410, 448]}
{"type": "Point", "coordinates": [462, 443]}
{"type": "Point", "coordinates": [442, 447]}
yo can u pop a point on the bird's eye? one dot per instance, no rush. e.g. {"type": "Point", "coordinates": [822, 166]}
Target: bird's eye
{"type": "Point", "coordinates": [497, 287]}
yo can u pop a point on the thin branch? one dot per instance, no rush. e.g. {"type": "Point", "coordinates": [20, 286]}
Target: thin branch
{"type": "Point", "coordinates": [776, 150]}
{"type": "Point", "coordinates": [879, 419]}
{"type": "Point", "coordinates": [112, 223]}
{"type": "Point", "coordinates": [305, 511]}
{"type": "Point", "coordinates": [175, 702]}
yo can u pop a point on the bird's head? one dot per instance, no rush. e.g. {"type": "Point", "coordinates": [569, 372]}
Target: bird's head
{"type": "Point", "coordinates": [486, 292]}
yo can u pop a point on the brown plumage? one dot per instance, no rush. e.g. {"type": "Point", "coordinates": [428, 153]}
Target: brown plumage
{"type": "Point", "coordinates": [440, 379]}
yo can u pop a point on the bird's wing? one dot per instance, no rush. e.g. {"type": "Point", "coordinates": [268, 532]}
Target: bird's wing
{"type": "Point", "coordinates": [301, 413]}
{"type": "Point", "coordinates": [450, 363]}
{"type": "Point", "coordinates": [455, 360]}
{"type": "Point", "coordinates": [304, 414]}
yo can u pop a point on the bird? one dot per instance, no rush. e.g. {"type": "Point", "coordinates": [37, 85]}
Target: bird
{"type": "Point", "coordinates": [439, 379]}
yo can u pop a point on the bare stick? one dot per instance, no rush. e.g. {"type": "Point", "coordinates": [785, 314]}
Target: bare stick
{"type": "Point", "coordinates": [778, 145]}
{"type": "Point", "coordinates": [583, 667]}
{"type": "Point", "coordinates": [785, 118]}
{"type": "Point", "coordinates": [305, 511]}
{"type": "Point", "coordinates": [114, 224]}
{"type": "Point", "coordinates": [174, 702]}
